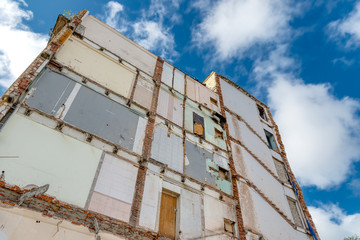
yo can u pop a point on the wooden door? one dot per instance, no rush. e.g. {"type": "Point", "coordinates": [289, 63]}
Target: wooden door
{"type": "Point", "coordinates": [167, 223]}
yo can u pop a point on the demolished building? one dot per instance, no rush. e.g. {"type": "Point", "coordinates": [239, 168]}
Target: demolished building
{"type": "Point", "coordinates": [102, 139]}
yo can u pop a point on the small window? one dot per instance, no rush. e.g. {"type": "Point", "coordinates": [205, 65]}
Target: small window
{"type": "Point", "coordinates": [262, 112]}
{"type": "Point", "coordinates": [198, 122]}
{"type": "Point", "coordinates": [219, 134]}
{"type": "Point", "coordinates": [213, 101]}
{"type": "Point", "coordinates": [281, 171]}
{"type": "Point", "coordinates": [271, 141]}
{"type": "Point", "coordinates": [229, 227]}
{"type": "Point", "coordinates": [224, 174]}
{"type": "Point", "coordinates": [295, 212]}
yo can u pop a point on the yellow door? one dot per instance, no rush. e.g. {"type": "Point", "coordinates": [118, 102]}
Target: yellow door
{"type": "Point", "coordinates": [167, 223]}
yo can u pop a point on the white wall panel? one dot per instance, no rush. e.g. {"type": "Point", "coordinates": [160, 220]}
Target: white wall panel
{"type": "Point", "coordinates": [249, 168]}
{"type": "Point", "coordinates": [117, 43]}
{"type": "Point", "coordinates": [97, 66]}
{"type": "Point", "coordinates": [190, 215]}
{"type": "Point", "coordinates": [167, 74]}
{"type": "Point", "coordinates": [179, 81]}
{"type": "Point", "coordinates": [45, 156]}
{"type": "Point", "coordinates": [260, 217]}
{"type": "Point", "coordinates": [242, 105]}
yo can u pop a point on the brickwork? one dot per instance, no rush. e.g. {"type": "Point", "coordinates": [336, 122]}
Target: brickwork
{"type": "Point", "coordinates": [240, 223]}
{"type": "Point", "coordinates": [292, 176]}
{"type": "Point", "coordinates": [141, 176]}
{"type": "Point", "coordinates": [51, 207]}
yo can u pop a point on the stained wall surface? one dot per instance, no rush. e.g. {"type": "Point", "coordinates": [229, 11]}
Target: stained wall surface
{"type": "Point", "coordinates": [170, 106]}
{"type": "Point", "coordinates": [114, 189]}
{"type": "Point", "coordinates": [37, 152]}
{"type": "Point", "coordinates": [97, 66]}
{"type": "Point", "coordinates": [109, 38]}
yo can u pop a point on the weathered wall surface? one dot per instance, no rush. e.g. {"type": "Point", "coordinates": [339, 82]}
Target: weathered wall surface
{"type": "Point", "coordinates": [260, 218]}
{"type": "Point", "coordinates": [114, 189]}
{"type": "Point", "coordinates": [170, 106]}
{"type": "Point", "coordinates": [110, 39]}
{"type": "Point", "coordinates": [97, 66]}
{"type": "Point", "coordinates": [22, 224]}
{"type": "Point", "coordinates": [44, 156]}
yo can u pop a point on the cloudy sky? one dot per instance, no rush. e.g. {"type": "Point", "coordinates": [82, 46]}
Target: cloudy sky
{"type": "Point", "coordinates": [302, 58]}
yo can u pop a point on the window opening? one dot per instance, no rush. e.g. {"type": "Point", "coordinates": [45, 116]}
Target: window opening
{"type": "Point", "coordinates": [213, 101]}
{"type": "Point", "coordinates": [271, 141]}
{"type": "Point", "coordinates": [229, 227]}
{"type": "Point", "coordinates": [224, 174]}
{"type": "Point", "coordinates": [198, 122]}
{"type": "Point", "coordinates": [219, 134]}
{"type": "Point", "coordinates": [295, 212]}
{"type": "Point", "coordinates": [262, 112]}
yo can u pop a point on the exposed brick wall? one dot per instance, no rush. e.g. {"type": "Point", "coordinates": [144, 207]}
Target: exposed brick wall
{"type": "Point", "coordinates": [292, 176]}
{"type": "Point", "coordinates": [240, 223]}
{"type": "Point", "coordinates": [51, 207]}
{"type": "Point", "coordinates": [149, 130]}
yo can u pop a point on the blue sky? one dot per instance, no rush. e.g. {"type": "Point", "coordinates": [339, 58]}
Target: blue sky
{"type": "Point", "coordinates": [300, 57]}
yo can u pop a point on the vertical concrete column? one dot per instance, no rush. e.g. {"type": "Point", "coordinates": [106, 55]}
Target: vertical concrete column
{"type": "Point", "coordinates": [240, 223]}
{"type": "Point", "coordinates": [149, 130]}
{"type": "Point", "coordinates": [292, 176]}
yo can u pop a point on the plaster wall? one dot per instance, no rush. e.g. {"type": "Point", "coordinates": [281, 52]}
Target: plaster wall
{"type": "Point", "coordinates": [144, 91]}
{"type": "Point", "coordinates": [242, 105]}
{"type": "Point", "coordinates": [200, 93]}
{"type": "Point", "coordinates": [260, 217]}
{"type": "Point", "coordinates": [44, 156]}
{"type": "Point", "coordinates": [170, 106]}
{"type": "Point", "coordinates": [96, 65]}
{"type": "Point", "coordinates": [111, 39]}
{"type": "Point", "coordinates": [241, 132]}
{"type": "Point", "coordinates": [23, 224]}
{"type": "Point", "coordinates": [114, 189]}
{"type": "Point", "coordinates": [250, 169]}
{"type": "Point", "coordinates": [168, 148]}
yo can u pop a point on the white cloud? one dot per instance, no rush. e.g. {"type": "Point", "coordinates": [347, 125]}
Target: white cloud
{"type": "Point", "coordinates": [347, 29]}
{"type": "Point", "coordinates": [18, 44]}
{"type": "Point", "coordinates": [149, 29]}
{"type": "Point", "coordinates": [332, 223]}
{"type": "Point", "coordinates": [234, 26]}
{"type": "Point", "coordinates": [321, 132]}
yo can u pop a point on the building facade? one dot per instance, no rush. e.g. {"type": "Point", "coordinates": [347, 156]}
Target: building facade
{"type": "Point", "coordinates": [101, 139]}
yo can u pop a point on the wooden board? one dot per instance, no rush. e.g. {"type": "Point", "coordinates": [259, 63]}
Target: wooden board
{"type": "Point", "coordinates": [167, 223]}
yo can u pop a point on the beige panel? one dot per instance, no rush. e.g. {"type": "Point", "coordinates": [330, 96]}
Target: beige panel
{"type": "Point", "coordinates": [45, 156]}
{"type": "Point", "coordinates": [97, 66]}
{"type": "Point", "coordinates": [170, 106]}
{"type": "Point", "coordinates": [110, 206]}
{"type": "Point", "coordinates": [120, 45]}
{"type": "Point", "coordinates": [144, 92]}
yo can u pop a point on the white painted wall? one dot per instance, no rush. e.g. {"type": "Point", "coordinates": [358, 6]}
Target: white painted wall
{"type": "Point", "coordinates": [260, 217]}
{"type": "Point", "coordinates": [250, 169]}
{"type": "Point", "coordinates": [168, 148]}
{"type": "Point", "coordinates": [97, 66]}
{"type": "Point", "coordinates": [120, 45]}
{"type": "Point", "coordinates": [242, 105]}
{"type": "Point", "coordinates": [20, 224]}
{"type": "Point", "coordinates": [241, 132]}
{"type": "Point", "coordinates": [215, 211]}
{"type": "Point", "coordinates": [45, 156]}
{"type": "Point", "coordinates": [114, 189]}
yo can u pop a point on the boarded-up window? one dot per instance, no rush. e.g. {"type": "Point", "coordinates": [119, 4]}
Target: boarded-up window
{"type": "Point", "coordinates": [295, 212]}
{"type": "Point", "coordinates": [219, 134]}
{"type": "Point", "coordinates": [281, 171]}
{"type": "Point", "coordinates": [271, 141]}
{"type": "Point", "coordinates": [262, 112]}
{"type": "Point", "coordinates": [198, 125]}
{"type": "Point", "coordinates": [229, 227]}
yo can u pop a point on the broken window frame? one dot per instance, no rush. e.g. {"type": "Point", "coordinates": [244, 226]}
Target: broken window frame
{"type": "Point", "coordinates": [262, 112]}
{"type": "Point", "coordinates": [286, 172]}
{"type": "Point", "coordinates": [226, 173]}
{"type": "Point", "coordinates": [219, 134]}
{"type": "Point", "coordinates": [230, 223]}
{"type": "Point", "coordinates": [271, 141]}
